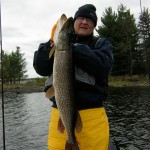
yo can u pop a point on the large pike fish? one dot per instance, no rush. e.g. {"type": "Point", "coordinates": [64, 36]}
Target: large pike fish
{"type": "Point", "coordinates": [63, 82]}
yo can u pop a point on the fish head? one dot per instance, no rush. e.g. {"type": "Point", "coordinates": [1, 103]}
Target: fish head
{"type": "Point", "coordinates": [64, 34]}
{"type": "Point", "coordinates": [59, 25]}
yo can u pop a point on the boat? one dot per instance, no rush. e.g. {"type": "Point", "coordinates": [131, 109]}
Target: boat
{"type": "Point", "coordinates": [113, 145]}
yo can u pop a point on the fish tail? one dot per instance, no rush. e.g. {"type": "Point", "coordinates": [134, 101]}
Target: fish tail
{"type": "Point", "coordinates": [69, 146]}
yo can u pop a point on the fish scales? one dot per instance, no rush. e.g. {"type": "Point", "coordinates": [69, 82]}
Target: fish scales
{"type": "Point", "coordinates": [63, 90]}
{"type": "Point", "coordinates": [63, 74]}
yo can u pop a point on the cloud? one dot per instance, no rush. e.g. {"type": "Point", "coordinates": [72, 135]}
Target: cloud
{"type": "Point", "coordinates": [27, 23]}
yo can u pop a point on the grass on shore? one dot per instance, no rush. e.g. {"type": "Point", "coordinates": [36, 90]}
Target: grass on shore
{"type": "Point", "coordinates": [115, 81]}
{"type": "Point", "coordinates": [121, 81]}
{"type": "Point", "coordinates": [29, 83]}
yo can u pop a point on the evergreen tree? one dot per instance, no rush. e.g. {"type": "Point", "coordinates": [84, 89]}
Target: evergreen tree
{"type": "Point", "coordinates": [144, 26]}
{"type": "Point", "coordinates": [6, 64]}
{"type": "Point", "coordinates": [14, 66]}
{"type": "Point", "coordinates": [120, 28]}
{"type": "Point", "coordinates": [108, 28]}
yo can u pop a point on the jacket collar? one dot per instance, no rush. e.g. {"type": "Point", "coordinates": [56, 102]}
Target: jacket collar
{"type": "Point", "coordinates": [84, 39]}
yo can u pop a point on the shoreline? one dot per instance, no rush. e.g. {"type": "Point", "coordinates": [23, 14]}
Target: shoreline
{"type": "Point", "coordinates": [22, 90]}
{"type": "Point", "coordinates": [38, 85]}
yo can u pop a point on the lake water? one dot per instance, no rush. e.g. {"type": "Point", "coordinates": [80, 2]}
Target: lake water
{"type": "Point", "coordinates": [27, 119]}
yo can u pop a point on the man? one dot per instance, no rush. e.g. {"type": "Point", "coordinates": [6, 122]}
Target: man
{"type": "Point", "coordinates": [93, 60]}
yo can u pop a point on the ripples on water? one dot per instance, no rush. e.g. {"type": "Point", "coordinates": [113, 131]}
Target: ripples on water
{"type": "Point", "coordinates": [27, 119]}
{"type": "Point", "coordinates": [128, 110]}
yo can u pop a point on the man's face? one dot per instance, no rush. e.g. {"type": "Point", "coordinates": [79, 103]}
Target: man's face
{"type": "Point", "coordinates": [83, 26]}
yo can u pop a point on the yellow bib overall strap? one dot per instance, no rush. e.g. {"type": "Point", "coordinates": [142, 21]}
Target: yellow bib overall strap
{"type": "Point", "coordinates": [94, 134]}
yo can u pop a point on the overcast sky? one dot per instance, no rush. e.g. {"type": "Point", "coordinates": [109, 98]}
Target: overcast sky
{"type": "Point", "coordinates": [27, 23]}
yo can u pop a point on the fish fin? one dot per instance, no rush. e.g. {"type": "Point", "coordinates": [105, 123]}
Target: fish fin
{"type": "Point", "coordinates": [53, 31]}
{"type": "Point", "coordinates": [69, 146]}
{"type": "Point", "coordinates": [52, 52]}
{"type": "Point", "coordinates": [79, 124]}
{"type": "Point", "coordinates": [50, 92]}
{"type": "Point", "coordinates": [60, 127]}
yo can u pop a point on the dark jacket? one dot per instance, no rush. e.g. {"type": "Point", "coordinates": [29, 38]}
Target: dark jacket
{"type": "Point", "coordinates": [92, 56]}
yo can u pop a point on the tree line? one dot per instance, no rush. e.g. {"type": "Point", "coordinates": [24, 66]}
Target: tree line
{"type": "Point", "coordinates": [13, 66]}
{"type": "Point", "coordinates": [130, 39]}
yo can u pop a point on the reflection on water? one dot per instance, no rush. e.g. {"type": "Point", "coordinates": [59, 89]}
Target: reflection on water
{"type": "Point", "coordinates": [27, 119]}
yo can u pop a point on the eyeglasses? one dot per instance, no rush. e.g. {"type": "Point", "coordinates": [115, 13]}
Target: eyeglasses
{"type": "Point", "coordinates": [87, 19]}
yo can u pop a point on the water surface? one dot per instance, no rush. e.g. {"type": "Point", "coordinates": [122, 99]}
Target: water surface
{"type": "Point", "coordinates": [27, 119]}
{"type": "Point", "coordinates": [128, 110]}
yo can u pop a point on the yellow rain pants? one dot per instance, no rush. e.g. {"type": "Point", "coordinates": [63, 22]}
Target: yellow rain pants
{"type": "Point", "coordinates": [94, 134]}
